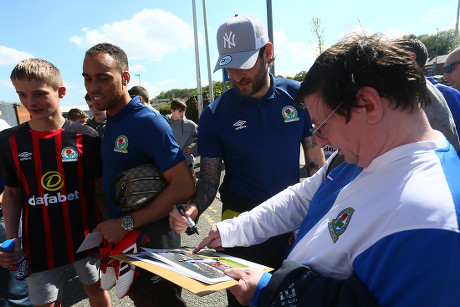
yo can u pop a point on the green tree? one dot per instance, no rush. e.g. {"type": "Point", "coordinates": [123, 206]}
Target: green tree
{"type": "Point", "coordinates": [445, 42]}
{"type": "Point", "coordinates": [217, 88]}
{"type": "Point", "coordinates": [284, 77]}
{"type": "Point", "coordinates": [300, 76]}
{"type": "Point", "coordinates": [180, 93]}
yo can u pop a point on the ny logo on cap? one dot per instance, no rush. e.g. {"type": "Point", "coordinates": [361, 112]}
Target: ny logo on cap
{"type": "Point", "coordinates": [229, 38]}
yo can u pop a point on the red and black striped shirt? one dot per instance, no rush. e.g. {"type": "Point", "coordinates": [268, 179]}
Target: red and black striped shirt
{"type": "Point", "coordinates": [55, 171]}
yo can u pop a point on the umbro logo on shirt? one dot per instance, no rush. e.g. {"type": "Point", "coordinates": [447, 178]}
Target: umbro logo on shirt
{"type": "Point", "coordinates": [240, 124]}
{"type": "Point", "coordinates": [25, 156]}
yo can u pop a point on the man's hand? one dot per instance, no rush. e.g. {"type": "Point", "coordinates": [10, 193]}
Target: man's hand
{"type": "Point", "coordinates": [178, 222]}
{"type": "Point", "coordinates": [111, 230]}
{"type": "Point", "coordinates": [186, 150]}
{"type": "Point", "coordinates": [248, 278]}
{"type": "Point", "coordinates": [7, 260]}
{"type": "Point", "coordinates": [212, 240]}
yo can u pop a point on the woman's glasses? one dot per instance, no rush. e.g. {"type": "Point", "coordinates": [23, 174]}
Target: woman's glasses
{"type": "Point", "coordinates": [315, 131]}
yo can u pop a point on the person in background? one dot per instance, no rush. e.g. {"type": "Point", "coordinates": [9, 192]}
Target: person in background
{"type": "Point", "coordinates": [13, 292]}
{"type": "Point", "coordinates": [438, 113]}
{"type": "Point", "coordinates": [185, 131]}
{"type": "Point", "coordinates": [452, 97]}
{"type": "Point", "coordinates": [451, 93]}
{"type": "Point", "coordinates": [257, 130]}
{"type": "Point", "coordinates": [98, 119]}
{"type": "Point", "coordinates": [140, 91]}
{"type": "Point", "coordinates": [381, 229]}
{"type": "Point", "coordinates": [78, 116]}
{"type": "Point", "coordinates": [97, 122]}
{"type": "Point", "coordinates": [49, 165]}
{"type": "Point", "coordinates": [451, 69]}
{"type": "Point", "coordinates": [133, 136]}
{"type": "Point", "coordinates": [143, 94]}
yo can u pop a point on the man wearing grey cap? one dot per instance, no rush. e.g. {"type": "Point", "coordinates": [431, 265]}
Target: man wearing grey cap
{"type": "Point", "coordinates": [256, 129]}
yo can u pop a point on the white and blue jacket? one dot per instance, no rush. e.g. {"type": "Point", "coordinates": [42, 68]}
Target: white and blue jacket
{"type": "Point", "coordinates": [393, 225]}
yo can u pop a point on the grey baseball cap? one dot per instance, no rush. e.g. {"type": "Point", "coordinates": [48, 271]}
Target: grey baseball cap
{"type": "Point", "coordinates": [239, 40]}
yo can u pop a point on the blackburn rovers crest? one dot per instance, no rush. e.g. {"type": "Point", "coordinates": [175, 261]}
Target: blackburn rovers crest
{"type": "Point", "coordinates": [290, 114]}
{"type": "Point", "coordinates": [69, 154]}
{"type": "Point", "coordinates": [121, 144]}
{"type": "Point", "coordinates": [338, 225]}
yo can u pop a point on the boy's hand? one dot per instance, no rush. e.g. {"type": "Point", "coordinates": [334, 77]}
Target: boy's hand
{"type": "Point", "coordinates": [7, 260]}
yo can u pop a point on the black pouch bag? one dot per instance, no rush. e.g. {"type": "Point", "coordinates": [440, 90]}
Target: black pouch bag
{"type": "Point", "coordinates": [137, 186]}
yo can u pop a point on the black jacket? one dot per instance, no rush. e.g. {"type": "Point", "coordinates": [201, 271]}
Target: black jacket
{"type": "Point", "coordinates": [297, 285]}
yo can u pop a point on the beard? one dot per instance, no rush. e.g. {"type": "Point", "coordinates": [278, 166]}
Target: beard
{"type": "Point", "coordinates": [258, 82]}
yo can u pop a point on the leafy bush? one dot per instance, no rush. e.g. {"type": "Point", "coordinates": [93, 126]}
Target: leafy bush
{"type": "Point", "coordinates": [164, 109]}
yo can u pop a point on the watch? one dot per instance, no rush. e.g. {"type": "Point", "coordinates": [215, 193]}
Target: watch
{"type": "Point", "coordinates": [128, 223]}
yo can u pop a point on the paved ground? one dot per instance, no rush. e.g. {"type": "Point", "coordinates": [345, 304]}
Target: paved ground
{"type": "Point", "coordinates": [75, 296]}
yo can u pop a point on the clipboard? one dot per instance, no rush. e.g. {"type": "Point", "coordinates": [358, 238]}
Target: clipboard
{"type": "Point", "coordinates": [190, 284]}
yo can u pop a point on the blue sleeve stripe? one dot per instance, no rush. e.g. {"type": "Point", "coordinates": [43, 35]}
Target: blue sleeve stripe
{"type": "Point", "coordinates": [451, 168]}
{"type": "Point", "coordinates": [263, 282]}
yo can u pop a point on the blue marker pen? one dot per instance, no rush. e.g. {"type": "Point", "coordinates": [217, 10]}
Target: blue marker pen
{"type": "Point", "coordinates": [190, 222]}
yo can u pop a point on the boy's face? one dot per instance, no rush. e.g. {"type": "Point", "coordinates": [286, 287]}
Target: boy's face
{"type": "Point", "coordinates": [177, 114]}
{"type": "Point", "coordinates": [39, 98]}
{"type": "Point", "coordinates": [104, 82]}
{"type": "Point", "coordinates": [98, 115]}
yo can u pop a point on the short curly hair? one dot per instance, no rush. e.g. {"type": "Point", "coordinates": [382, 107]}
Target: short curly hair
{"type": "Point", "coordinates": [114, 51]}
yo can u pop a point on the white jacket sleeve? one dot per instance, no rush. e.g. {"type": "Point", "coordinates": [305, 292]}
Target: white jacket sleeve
{"type": "Point", "coordinates": [280, 214]}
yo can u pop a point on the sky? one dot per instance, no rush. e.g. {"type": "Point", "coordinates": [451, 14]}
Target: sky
{"type": "Point", "coordinates": [158, 36]}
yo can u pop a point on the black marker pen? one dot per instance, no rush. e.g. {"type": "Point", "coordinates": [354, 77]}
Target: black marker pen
{"type": "Point", "coordinates": [190, 222]}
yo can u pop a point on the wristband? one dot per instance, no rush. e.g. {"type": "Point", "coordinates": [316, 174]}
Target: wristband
{"type": "Point", "coordinates": [263, 282]}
